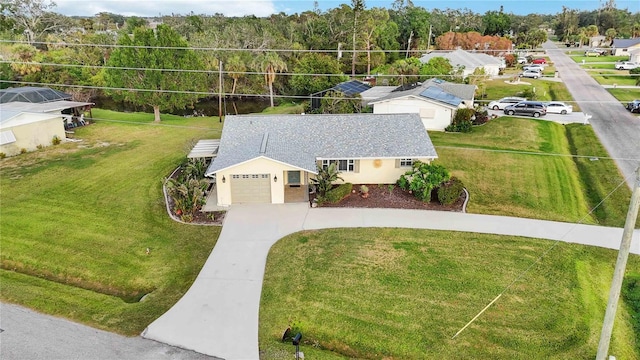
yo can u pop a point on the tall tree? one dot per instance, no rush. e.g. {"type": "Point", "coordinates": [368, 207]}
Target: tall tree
{"type": "Point", "coordinates": [148, 61]}
{"type": "Point", "coordinates": [326, 73]}
{"type": "Point", "coordinates": [34, 17]}
{"type": "Point", "coordinates": [496, 23]}
{"type": "Point", "coordinates": [236, 68]}
{"type": "Point", "coordinates": [358, 7]}
{"type": "Point", "coordinates": [270, 64]}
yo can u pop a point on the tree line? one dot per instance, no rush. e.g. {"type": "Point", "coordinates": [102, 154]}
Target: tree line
{"type": "Point", "coordinates": [314, 49]}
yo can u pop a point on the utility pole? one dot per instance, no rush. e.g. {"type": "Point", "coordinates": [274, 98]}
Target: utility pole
{"type": "Point", "coordinates": [220, 92]}
{"type": "Point", "coordinates": [618, 273]}
{"type": "Point", "coordinates": [408, 44]}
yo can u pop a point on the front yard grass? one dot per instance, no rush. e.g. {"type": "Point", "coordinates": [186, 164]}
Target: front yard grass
{"type": "Point", "coordinates": [613, 77]}
{"type": "Point", "coordinates": [404, 293]}
{"type": "Point", "coordinates": [522, 174]}
{"type": "Point", "coordinates": [78, 217]}
{"type": "Point", "coordinates": [625, 95]}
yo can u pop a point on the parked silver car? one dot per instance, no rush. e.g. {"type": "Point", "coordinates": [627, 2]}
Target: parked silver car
{"type": "Point", "coordinates": [504, 102]}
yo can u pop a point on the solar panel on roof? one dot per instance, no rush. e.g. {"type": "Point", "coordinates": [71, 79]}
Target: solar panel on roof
{"type": "Point", "coordinates": [435, 93]}
{"type": "Point", "coordinates": [352, 87]}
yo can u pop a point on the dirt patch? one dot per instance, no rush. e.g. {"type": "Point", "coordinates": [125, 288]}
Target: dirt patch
{"type": "Point", "coordinates": [383, 196]}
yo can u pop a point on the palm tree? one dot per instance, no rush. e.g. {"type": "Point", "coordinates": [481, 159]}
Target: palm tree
{"type": "Point", "coordinates": [236, 69]}
{"type": "Point", "coordinates": [269, 64]}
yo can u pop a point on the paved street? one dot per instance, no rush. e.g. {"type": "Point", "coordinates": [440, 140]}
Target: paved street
{"type": "Point", "coordinates": [27, 335]}
{"type": "Point", "coordinates": [617, 129]}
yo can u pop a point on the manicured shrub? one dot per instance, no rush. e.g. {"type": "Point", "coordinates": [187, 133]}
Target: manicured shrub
{"type": "Point", "coordinates": [422, 179]}
{"type": "Point", "coordinates": [461, 121]}
{"type": "Point", "coordinates": [450, 191]}
{"type": "Point", "coordinates": [2, 155]}
{"type": "Point", "coordinates": [337, 193]}
{"type": "Point", "coordinates": [56, 140]}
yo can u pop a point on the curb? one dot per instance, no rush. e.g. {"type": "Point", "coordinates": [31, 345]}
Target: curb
{"type": "Point", "coordinates": [466, 200]}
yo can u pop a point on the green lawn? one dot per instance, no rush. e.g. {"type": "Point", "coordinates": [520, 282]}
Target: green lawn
{"type": "Point", "coordinates": [403, 294]}
{"type": "Point", "coordinates": [545, 90]}
{"type": "Point", "coordinates": [625, 95]}
{"type": "Point", "coordinates": [285, 108]}
{"type": "Point", "coordinates": [611, 77]}
{"type": "Point", "coordinates": [599, 59]}
{"type": "Point", "coordinates": [534, 186]}
{"type": "Point", "coordinates": [77, 219]}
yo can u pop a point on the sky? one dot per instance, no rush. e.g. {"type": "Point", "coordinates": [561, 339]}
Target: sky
{"type": "Point", "coordinates": [260, 8]}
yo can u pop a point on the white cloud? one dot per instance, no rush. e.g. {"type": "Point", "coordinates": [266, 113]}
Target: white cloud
{"type": "Point", "coordinates": [148, 8]}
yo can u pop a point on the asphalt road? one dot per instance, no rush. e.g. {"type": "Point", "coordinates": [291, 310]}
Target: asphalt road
{"type": "Point", "coordinates": [28, 335]}
{"type": "Point", "coordinates": [617, 129]}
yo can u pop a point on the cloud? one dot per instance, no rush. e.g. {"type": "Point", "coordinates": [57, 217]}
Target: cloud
{"type": "Point", "coordinates": [149, 8]}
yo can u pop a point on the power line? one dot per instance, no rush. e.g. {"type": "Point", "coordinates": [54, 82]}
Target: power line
{"type": "Point", "coordinates": [34, 63]}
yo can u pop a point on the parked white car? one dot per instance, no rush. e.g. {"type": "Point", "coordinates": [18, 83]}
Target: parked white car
{"type": "Point", "coordinates": [626, 65]}
{"type": "Point", "coordinates": [504, 102]}
{"type": "Point", "coordinates": [558, 107]}
{"type": "Point", "coordinates": [533, 67]}
{"type": "Point", "coordinates": [531, 74]}
{"type": "Point", "coordinates": [522, 60]}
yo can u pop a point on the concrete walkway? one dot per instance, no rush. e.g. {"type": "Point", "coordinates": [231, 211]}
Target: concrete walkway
{"type": "Point", "coordinates": [218, 316]}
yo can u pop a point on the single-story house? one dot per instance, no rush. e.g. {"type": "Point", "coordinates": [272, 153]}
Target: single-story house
{"type": "Point", "coordinates": [26, 131]}
{"type": "Point", "coordinates": [272, 158]}
{"type": "Point", "coordinates": [622, 47]}
{"type": "Point", "coordinates": [435, 100]}
{"type": "Point", "coordinates": [634, 55]}
{"type": "Point", "coordinates": [468, 62]}
{"type": "Point", "coordinates": [349, 88]}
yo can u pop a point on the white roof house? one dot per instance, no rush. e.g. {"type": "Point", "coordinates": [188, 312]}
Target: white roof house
{"type": "Point", "coordinates": [435, 100]}
{"type": "Point", "coordinates": [271, 159]}
{"type": "Point", "coordinates": [26, 131]}
{"type": "Point", "coordinates": [468, 62]}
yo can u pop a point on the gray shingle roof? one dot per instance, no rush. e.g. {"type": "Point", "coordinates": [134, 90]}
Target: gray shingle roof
{"type": "Point", "coordinates": [299, 140]}
{"type": "Point", "coordinates": [461, 91]}
{"type": "Point", "coordinates": [625, 43]}
{"type": "Point", "coordinates": [463, 58]}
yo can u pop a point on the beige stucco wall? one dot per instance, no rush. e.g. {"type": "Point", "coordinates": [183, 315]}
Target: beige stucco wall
{"type": "Point", "coordinates": [256, 166]}
{"type": "Point", "coordinates": [30, 135]}
{"type": "Point", "coordinates": [371, 171]}
{"type": "Point", "coordinates": [440, 120]}
{"type": "Point", "coordinates": [376, 171]}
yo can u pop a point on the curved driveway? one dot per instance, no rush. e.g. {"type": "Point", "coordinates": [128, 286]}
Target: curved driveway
{"type": "Point", "coordinates": [617, 129]}
{"type": "Point", "coordinates": [218, 316]}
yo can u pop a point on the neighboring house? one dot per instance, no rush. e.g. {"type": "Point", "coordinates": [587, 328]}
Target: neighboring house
{"type": "Point", "coordinates": [349, 88]}
{"type": "Point", "coordinates": [598, 40]}
{"type": "Point", "coordinates": [435, 100]}
{"type": "Point", "coordinates": [634, 55]}
{"type": "Point", "coordinates": [32, 94]}
{"type": "Point", "coordinates": [271, 159]}
{"type": "Point", "coordinates": [26, 131]}
{"type": "Point", "coordinates": [468, 62]}
{"type": "Point", "coordinates": [622, 47]}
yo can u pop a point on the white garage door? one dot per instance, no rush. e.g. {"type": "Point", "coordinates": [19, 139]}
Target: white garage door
{"type": "Point", "coordinates": [250, 188]}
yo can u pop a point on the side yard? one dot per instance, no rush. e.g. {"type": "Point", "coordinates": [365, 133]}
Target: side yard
{"type": "Point", "coordinates": [524, 167]}
{"type": "Point", "coordinates": [85, 233]}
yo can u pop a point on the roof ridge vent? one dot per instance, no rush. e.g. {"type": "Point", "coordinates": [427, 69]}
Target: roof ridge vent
{"type": "Point", "coordinates": [265, 139]}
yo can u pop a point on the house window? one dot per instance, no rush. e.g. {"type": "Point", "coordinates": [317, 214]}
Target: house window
{"type": "Point", "coordinates": [346, 165]}
{"type": "Point", "coordinates": [293, 177]}
{"type": "Point", "coordinates": [406, 162]}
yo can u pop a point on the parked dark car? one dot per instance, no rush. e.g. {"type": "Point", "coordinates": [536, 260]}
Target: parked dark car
{"type": "Point", "coordinates": [634, 106]}
{"type": "Point", "coordinates": [532, 108]}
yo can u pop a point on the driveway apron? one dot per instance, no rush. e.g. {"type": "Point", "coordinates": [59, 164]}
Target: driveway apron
{"type": "Point", "coordinates": [218, 316]}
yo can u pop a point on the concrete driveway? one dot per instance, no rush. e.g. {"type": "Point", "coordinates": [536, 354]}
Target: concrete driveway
{"type": "Point", "coordinates": [219, 314]}
{"type": "Point", "coordinates": [617, 129]}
